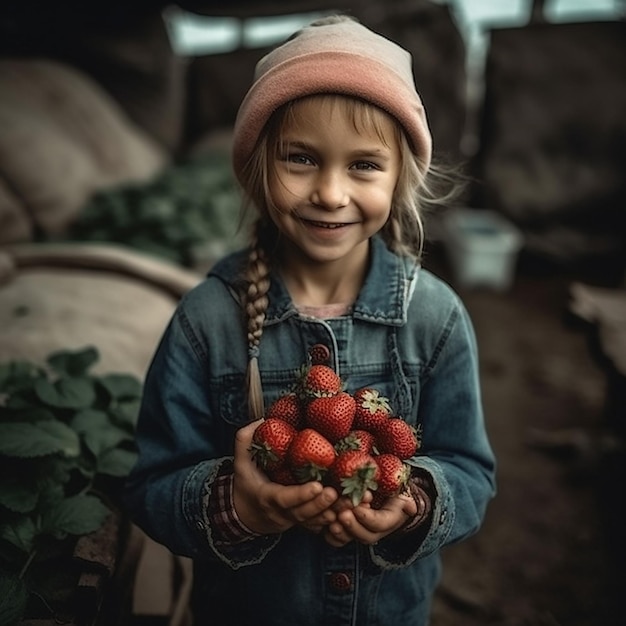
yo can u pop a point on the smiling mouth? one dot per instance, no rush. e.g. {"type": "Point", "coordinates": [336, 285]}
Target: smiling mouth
{"type": "Point", "coordinates": [328, 225]}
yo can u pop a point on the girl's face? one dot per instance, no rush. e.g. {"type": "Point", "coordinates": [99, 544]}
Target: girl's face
{"type": "Point", "coordinates": [332, 180]}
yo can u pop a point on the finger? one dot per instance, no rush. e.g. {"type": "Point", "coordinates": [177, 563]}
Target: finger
{"type": "Point", "coordinates": [243, 437]}
{"type": "Point", "coordinates": [342, 504]}
{"type": "Point", "coordinates": [356, 529]}
{"type": "Point", "coordinates": [336, 535]}
{"type": "Point", "coordinates": [319, 510]}
{"type": "Point", "coordinates": [314, 528]}
{"type": "Point", "coordinates": [373, 520]}
{"type": "Point", "coordinates": [393, 515]}
{"type": "Point", "coordinates": [345, 503]}
{"type": "Point", "coordinates": [293, 496]}
{"type": "Point", "coordinates": [328, 537]}
{"type": "Point", "coordinates": [409, 506]}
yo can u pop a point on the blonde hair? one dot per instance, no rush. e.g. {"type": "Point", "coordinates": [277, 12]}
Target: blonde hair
{"type": "Point", "coordinates": [416, 189]}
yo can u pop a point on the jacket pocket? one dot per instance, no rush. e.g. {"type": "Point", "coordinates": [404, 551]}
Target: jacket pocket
{"type": "Point", "coordinates": [233, 395]}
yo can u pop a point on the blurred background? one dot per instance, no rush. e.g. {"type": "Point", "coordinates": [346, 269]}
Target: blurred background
{"type": "Point", "coordinates": [116, 196]}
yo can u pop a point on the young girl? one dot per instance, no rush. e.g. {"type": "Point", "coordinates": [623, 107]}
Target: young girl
{"type": "Point", "coordinates": [332, 147]}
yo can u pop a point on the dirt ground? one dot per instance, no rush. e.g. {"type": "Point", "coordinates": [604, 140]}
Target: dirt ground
{"type": "Point", "coordinates": [544, 556]}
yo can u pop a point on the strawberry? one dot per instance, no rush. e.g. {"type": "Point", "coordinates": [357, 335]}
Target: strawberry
{"type": "Point", "coordinates": [282, 474]}
{"type": "Point", "coordinates": [310, 455]}
{"type": "Point", "coordinates": [356, 440]}
{"type": "Point", "coordinates": [319, 380]}
{"type": "Point", "coordinates": [270, 442]}
{"type": "Point", "coordinates": [397, 437]}
{"type": "Point", "coordinates": [287, 408]}
{"type": "Point", "coordinates": [372, 409]}
{"type": "Point", "coordinates": [378, 500]}
{"type": "Point", "coordinates": [394, 475]}
{"type": "Point", "coordinates": [331, 416]}
{"type": "Point", "coordinates": [353, 473]}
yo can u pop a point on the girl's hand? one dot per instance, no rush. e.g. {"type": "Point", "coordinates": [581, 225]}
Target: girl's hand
{"type": "Point", "coordinates": [367, 525]}
{"type": "Point", "coordinates": [266, 507]}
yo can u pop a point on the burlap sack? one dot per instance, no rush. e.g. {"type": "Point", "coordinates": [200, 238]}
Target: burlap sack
{"type": "Point", "coordinates": [67, 297]}
{"type": "Point", "coordinates": [62, 138]}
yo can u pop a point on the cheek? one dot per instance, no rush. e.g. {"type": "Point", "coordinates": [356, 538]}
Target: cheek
{"type": "Point", "coordinates": [284, 192]}
{"type": "Point", "coordinates": [381, 200]}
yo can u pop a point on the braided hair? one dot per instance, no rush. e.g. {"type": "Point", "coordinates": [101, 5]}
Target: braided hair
{"type": "Point", "coordinates": [255, 305]}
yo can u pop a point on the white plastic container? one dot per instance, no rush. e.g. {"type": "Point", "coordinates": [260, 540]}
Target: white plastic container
{"type": "Point", "coordinates": [482, 247]}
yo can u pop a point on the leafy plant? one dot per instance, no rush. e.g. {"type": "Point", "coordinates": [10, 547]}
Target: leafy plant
{"type": "Point", "coordinates": [66, 442]}
{"type": "Point", "coordinates": [188, 214]}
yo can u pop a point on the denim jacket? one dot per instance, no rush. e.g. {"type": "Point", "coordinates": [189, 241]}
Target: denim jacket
{"type": "Point", "coordinates": [409, 336]}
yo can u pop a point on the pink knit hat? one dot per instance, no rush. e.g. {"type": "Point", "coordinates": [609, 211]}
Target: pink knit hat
{"type": "Point", "coordinates": [334, 55]}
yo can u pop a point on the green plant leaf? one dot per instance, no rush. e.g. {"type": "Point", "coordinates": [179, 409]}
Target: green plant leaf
{"type": "Point", "coordinates": [66, 393]}
{"type": "Point", "coordinates": [18, 495]}
{"type": "Point", "coordinates": [39, 439]}
{"type": "Point", "coordinates": [106, 439]}
{"type": "Point", "coordinates": [24, 399]}
{"type": "Point", "coordinates": [54, 469]}
{"type": "Point", "coordinates": [98, 431]}
{"type": "Point", "coordinates": [90, 420]}
{"type": "Point", "coordinates": [30, 414]}
{"type": "Point", "coordinates": [20, 532]}
{"type": "Point", "coordinates": [17, 374]}
{"type": "Point", "coordinates": [121, 386]}
{"type": "Point", "coordinates": [13, 599]}
{"type": "Point", "coordinates": [50, 492]}
{"type": "Point", "coordinates": [191, 202]}
{"type": "Point", "coordinates": [76, 515]}
{"type": "Point", "coordinates": [125, 413]}
{"type": "Point", "coordinates": [116, 462]}
{"type": "Point", "coordinates": [73, 363]}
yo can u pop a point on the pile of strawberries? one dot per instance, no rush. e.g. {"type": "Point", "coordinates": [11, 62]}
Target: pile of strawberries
{"type": "Point", "coordinates": [352, 442]}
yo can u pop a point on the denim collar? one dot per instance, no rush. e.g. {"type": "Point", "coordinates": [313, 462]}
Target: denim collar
{"type": "Point", "coordinates": [383, 299]}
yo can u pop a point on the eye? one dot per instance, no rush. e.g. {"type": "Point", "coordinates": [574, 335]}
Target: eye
{"type": "Point", "coordinates": [365, 166]}
{"type": "Point", "coordinates": [298, 158]}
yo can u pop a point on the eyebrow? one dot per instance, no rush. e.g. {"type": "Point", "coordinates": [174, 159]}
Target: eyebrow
{"type": "Point", "coordinates": [379, 153]}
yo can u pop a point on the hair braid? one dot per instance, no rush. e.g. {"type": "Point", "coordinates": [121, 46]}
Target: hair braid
{"type": "Point", "coordinates": [255, 301]}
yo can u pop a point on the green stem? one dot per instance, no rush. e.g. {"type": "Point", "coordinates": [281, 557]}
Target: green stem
{"type": "Point", "coordinates": [31, 556]}
{"type": "Point", "coordinates": [86, 489]}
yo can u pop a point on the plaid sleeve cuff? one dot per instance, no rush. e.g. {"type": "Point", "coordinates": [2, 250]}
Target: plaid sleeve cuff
{"type": "Point", "coordinates": [226, 526]}
{"type": "Point", "coordinates": [421, 489]}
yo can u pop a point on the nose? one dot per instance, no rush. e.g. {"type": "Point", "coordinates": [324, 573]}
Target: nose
{"type": "Point", "coordinates": [330, 190]}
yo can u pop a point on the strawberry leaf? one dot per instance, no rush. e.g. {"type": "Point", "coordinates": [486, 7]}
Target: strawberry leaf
{"type": "Point", "coordinates": [54, 469]}
{"type": "Point", "coordinates": [90, 420]}
{"type": "Point", "coordinates": [23, 399]}
{"type": "Point", "coordinates": [17, 495]}
{"type": "Point", "coordinates": [116, 462]}
{"type": "Point", "coordinates": [66, 393]}
{"type": "Point", "coordinates": [73, 363]}
{"type": "Point", "coordinates": [39, 439]}
{"type": "Point", "coordinates": [125, 413]}
{"type": "Point", "coordinates": [76, 515]}
{"type": "Point", "coordinates": [121, 386]}
{"type": "Point", "coordinates": [19, 532]}
{"type": "Point", "coordinates": [13, 599]}
{"type": "Point", "coordinates": [50, 492]}
{"type": "Point", "coordinates": [30, 414]}
{"type": "Point", "coordinates": [98, 432]}
{"type": "Point", "coordinates": [18, 374]}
